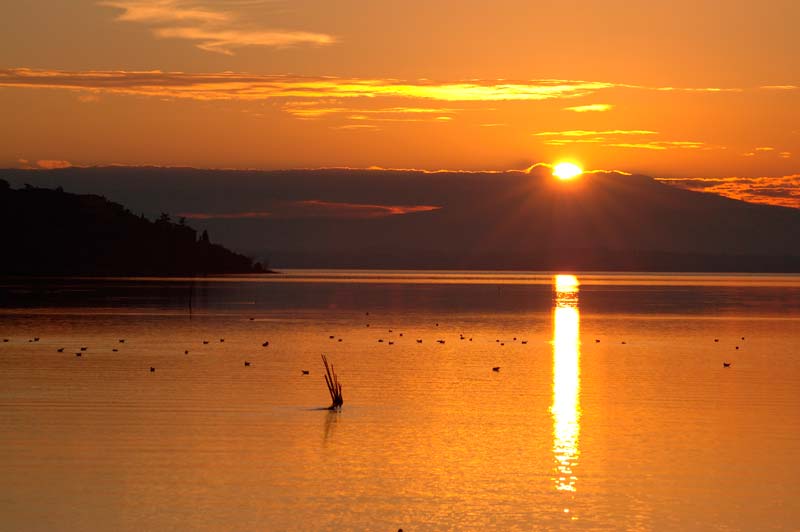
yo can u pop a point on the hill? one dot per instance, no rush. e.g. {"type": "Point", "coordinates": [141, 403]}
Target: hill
{"type": "Point", "coordinates": [472, 220]}
{"type": "Point", "coordinates": [51, 232]}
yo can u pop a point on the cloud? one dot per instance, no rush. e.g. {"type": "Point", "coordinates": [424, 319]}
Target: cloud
{"type": "Point", "coordinates": [659, 145]}
{"type": "Point", "coordinates": [328, 209]}
{"type": "Point", "coordinates": [349, 101]}
{"type": "Point", "coordinates": [224, 41]}
{"type": "Point", "coordinates": [160, 11]}
{"type": "Point", "coordinates": [782, 191]}
{"type": "Point", "coordinates": [212, 29]}
{"type": "Point", "coordinates": [613, 138]}
{"type": "Point", "coordinates": [767, 151]}
{"type": "Point", "coordinates": [248, 87]}
{"type": "Point", "coordinates": [51, 164]}
{"type": "Point", "coordinates": [314, 110]}
{"type": "Point", "coordinates": [363, 127]}
{"type": "Point", "coordinates": [368, 118]}
{"type": "Point", "coordinates": [565, 142]}
{"type": "Point", "coordinates": [699, 89]}
{"type": "Point", "coordinates": [317, 209]}
{"type": "Point", "coordinates": [242, 86]}
{"type": "Point", "coordinates": [585, 133]}
{"type": "Point", "coordinates": [592, 107]}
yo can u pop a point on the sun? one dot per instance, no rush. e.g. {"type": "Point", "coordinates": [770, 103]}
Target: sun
{"type": "Point", "coordinates": [567, 171]}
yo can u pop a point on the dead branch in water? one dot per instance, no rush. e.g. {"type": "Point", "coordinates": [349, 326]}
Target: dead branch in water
{"type": "Point", "coordinates": [334, 387]}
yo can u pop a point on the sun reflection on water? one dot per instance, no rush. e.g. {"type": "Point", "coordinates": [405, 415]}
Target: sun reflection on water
{"type": "Point", "coordinates": [566, 408]}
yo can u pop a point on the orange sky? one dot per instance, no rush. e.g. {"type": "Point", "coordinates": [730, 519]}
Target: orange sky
{"type": "Point", "coordinates": [700, 90]}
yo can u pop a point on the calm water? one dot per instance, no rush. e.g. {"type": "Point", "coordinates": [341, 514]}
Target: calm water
{"type": "Point", "coordinates": [611, 409]}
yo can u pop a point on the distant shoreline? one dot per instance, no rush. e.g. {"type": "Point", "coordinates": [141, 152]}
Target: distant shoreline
{"type": "Point", "coordinates": [301, 274]}
{"type": "Point", "coordinates": [565, 260]}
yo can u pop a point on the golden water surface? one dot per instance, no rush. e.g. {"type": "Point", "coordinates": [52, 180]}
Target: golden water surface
{"type": "Point", "coordinates": [610, 408]}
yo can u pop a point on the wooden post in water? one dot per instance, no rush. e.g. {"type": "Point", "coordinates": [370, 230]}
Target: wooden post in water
{"type": "Point", "coordinates": [334, 387]}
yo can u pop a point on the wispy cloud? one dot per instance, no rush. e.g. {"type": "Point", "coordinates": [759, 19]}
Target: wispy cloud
{"type": "Point", "coordinates": [52, 164]}
{"type": "Point", "coordinates": [317, 209]}
{"type": "Point", "coordinates": [364, 127]}
{"type": "Point", "coordinates": [783, 190]}
{"type": "Point", "coordinates": [616, 138]}
{"type": "Point", "coordinates": [162, 11]}
{"type": "Point", "coordinates": [589, 133]}
{"type": "Point", "coordinates": [660, 145]}
{"type": "Point", "coordinates": [244, 86]}
{"type": "Point", "coordinates": [372, 118]}
{"type": "Point", "coordinates": [225, 41]}
{"type": "Point", "coordinates": [211, 28]}
{"type": "Point", "coordinates": [699, 89]}
{"type": "Point", "coordinates": [315, 110]}
{"type": "Point", "coordinates": [590, 108]}
{"type": "Point", "coordinates": [767, 151]}
{"type": "Point", "coordinates": [328, 209]}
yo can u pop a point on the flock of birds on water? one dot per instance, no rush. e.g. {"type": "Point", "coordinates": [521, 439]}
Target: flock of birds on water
{"type": "Point", "coordinates": [247, 363]}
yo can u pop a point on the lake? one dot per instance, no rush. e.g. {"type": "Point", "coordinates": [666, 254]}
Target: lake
{"type": "Point", "coordinates": [610, 409]}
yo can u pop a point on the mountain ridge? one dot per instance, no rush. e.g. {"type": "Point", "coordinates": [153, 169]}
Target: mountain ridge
{"type": "Point", "coordinates": [473, 220]}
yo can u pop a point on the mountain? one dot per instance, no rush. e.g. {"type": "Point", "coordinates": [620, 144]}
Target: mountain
{"type": "Point", "coordinates": [51, 232]}
{"type": "Point", "coordinates": [474, 220]}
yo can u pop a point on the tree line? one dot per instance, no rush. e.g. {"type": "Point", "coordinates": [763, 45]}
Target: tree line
{"type": "Point", "coordinates": [52, 232]}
